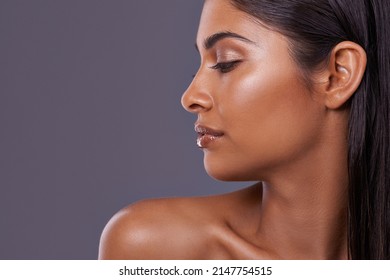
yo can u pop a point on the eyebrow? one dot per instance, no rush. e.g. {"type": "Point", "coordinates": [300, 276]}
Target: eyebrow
{"type": "Point", "coordinates": [210, 41]}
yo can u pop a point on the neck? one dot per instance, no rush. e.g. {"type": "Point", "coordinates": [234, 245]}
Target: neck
{"type": "Point", "coordinates": [304, 206]}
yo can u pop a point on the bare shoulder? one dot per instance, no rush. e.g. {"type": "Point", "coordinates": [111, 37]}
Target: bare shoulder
{"type": "Point", "coordinates": [174, 228]}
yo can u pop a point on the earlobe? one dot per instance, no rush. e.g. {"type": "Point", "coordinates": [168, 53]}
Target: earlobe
{"type": "Point", "coordinates": [343, 74]}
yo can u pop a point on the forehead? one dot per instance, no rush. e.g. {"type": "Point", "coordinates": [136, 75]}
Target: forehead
{"type": "Point", "coordinates": [221, 15]}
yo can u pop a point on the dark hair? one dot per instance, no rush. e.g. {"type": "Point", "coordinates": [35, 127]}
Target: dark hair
{"type": "Point", "coordinates": [314, 28]}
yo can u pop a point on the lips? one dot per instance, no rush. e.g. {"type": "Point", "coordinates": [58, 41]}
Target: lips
{"type": "Point", "coordinates": [206, 136]}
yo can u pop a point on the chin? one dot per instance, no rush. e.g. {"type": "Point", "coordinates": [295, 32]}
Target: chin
{"type": "Point", "coordinates": [223, 173]}
{"type": "Point", "coordinates": [236, 170]}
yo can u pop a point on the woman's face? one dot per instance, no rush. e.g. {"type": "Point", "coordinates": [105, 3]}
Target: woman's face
{"type": "Point", "coordinates": [255, 114]}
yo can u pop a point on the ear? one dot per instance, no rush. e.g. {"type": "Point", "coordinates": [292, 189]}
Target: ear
{"type": "Point", "coordinates": [343, 75]}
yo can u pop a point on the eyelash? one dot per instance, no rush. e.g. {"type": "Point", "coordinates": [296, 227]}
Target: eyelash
{"type": "Point", "coordinates": [225, 67]}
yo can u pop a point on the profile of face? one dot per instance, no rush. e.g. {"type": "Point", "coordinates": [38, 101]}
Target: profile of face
{"type": "Point", "coordinates": [255, 113]}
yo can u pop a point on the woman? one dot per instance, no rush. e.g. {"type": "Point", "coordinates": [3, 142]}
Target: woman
{"type": "Point", "coordinates": [294, 95]}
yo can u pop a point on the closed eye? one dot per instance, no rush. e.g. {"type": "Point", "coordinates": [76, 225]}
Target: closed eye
{"type": "Point", "coordinates": [225, 67]}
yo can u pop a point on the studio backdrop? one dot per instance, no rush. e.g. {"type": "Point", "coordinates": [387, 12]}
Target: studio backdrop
{"type": "Point", "coordinates": [90, 118]}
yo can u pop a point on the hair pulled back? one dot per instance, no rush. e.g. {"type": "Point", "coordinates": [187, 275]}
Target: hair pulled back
{"type": "Point", "coordinates": [314, 28]}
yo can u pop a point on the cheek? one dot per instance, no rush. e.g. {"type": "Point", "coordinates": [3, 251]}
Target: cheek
{"type": "Point", "coordinates": [272, 101]}
{"type": "Point", "coordinates": [270, 118]}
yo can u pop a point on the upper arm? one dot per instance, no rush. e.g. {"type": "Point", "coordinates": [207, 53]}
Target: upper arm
{"type": "Point", "coordinates": [127, 233]}
{"type": "Point", "coordinates": [115, 236]}
{"type": "Point", "coordinates": [149, 230]}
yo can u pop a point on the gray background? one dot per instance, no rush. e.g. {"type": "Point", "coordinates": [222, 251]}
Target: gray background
{"type": "Point", "coordinates": [90, 118]}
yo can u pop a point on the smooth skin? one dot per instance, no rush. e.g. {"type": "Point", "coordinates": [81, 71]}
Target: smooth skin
{"type": "Point", "coordinates": [278, 130]}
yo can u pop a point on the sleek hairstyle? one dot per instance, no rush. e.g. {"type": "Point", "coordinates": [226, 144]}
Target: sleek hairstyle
{"type": "Point", "coordinates": [314, 28]}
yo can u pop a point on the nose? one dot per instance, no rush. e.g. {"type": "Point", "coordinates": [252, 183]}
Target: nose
{"type": "Point", "coordinates": [197, 98]}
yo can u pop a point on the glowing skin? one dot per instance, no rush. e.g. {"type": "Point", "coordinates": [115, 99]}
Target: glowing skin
{"type": "Point", "coordinates": [256, 120]}
{"type": "Point", "coordinates": [268, 116]}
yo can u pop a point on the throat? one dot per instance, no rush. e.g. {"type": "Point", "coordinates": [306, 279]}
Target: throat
{"type": "Point", "coordinates": [304, 226]}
